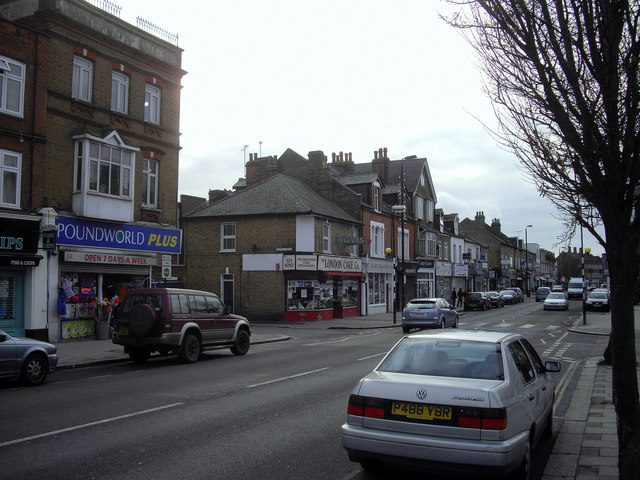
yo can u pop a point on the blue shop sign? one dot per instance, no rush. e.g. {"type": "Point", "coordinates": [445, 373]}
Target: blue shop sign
{"type": "Point", "coordinates": [83, 233]}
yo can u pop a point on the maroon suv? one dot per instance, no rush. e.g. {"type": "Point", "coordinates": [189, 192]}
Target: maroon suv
{"type": "Point", "coordinates": [177, 321]}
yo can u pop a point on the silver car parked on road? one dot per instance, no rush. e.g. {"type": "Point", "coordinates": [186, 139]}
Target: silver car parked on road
{"type": "Point", "coordinates": [27, 359]}
{"type": "Point", "coordinates": [469, 402]}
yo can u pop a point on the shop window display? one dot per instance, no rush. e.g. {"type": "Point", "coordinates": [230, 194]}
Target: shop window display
{"type": "Point", "coordinates": [84, 310]}
{"type": "Point", "coordinates": [347, 293]}
{"type": "Point", "coordinates": [309, 295]}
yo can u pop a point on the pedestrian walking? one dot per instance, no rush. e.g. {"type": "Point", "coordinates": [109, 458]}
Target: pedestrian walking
{"type": "Point", "coordinates": [453, 298]}
{"type": "Point", "coordinates": [460, 297]}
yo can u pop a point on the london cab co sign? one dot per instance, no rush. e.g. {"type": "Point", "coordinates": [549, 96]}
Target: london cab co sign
{"type": "Point", "coordinates": [130, 237]}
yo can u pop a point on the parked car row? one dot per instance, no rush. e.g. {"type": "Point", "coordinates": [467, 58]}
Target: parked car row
{"type": "Point", "coordinates": [166, 320]}
{"type": "Point", "coordinates": [493, 299]}
{"type": "Point", "coordinates": [437, 312]}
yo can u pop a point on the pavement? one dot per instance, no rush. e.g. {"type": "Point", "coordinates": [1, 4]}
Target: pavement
{"type": "Point", "coordinates": [587, 443]}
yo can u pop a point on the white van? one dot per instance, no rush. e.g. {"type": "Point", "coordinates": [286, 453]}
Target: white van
{"type": "Point", "coordinates": [575, 288]}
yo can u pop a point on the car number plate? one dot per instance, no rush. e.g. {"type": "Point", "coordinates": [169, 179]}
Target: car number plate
{"type": "Point", "coordinates": [123, 331]}
{"type": "Point", "coordinates": [417, 314]}
{"type": "Point", "coordinates": [421, 410]}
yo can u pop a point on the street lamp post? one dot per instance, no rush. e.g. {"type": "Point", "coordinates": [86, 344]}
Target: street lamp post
{"type": "Point", "coordinates": [400, 210]}
{"type": "Point", "coordinates": [526, 256]}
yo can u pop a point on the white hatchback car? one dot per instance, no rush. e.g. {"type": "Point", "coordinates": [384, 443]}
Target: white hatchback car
{"type": "Point", "coordinates": [456, 401]}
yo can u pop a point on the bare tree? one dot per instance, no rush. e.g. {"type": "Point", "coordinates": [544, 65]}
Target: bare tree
{"type": "Point", "coordinates": [563, 77]}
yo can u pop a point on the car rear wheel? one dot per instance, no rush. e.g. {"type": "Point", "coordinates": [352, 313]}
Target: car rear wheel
{"type": "Point", "coordinates": [242, 343]}
{"type": "Point", "coordinates": [190, 351]}
{"type": "Point", "coordinates": [405, 329]}
{"type": "Point", "coordinates": [34, 369]}
{"type": "Point", "coordinates": [443, 323]}
{"type": "Point", "coordinates": [524, 470]}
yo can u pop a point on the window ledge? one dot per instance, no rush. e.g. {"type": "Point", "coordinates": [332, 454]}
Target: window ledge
{"type": "Point", "coordinates": [148, 208]}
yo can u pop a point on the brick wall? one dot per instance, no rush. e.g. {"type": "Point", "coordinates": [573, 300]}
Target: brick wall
{"type": "Point", "coordinates": [51, 179]}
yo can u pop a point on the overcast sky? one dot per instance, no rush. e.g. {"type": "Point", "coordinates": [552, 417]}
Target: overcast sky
{"type": "Point", "coordinates": [343, 75]}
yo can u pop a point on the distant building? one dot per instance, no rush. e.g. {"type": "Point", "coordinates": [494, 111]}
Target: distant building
{"type": "Point", "coordinates": [570, 265]}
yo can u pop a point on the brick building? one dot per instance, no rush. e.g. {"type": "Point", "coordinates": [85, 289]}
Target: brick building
{"type": "Point", "coordinates": [90, 134]}
{"type": "Point", "coordinates": [410, 179]}
{"type": "Point", "coordinates": [276, 250]}
{"type": "Point", "coordinates": [570, 265]}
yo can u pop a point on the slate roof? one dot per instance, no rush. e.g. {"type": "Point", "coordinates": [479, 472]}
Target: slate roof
{"type": "Point", "coordinates": [279, 194]}
{"type": "Point", "coordinates": [412, 170]}
{"type": "Point", "coordinates": [357, 178]}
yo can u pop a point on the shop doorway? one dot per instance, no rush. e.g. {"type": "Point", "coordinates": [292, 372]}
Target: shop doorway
{"type": "Point", "coordinates": [12, 303]}
{"type": "Point", "coordinates": [227, 291]}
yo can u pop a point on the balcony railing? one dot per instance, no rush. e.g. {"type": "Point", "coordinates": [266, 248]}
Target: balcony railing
{"type": "Point", "coordinates": [149, 27]}
{"type": "Point", "coordinates": [107, 6]}
{"type": "Point", "coordinates": [141, 23]}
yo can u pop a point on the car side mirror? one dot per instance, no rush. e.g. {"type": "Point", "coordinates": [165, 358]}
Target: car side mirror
{"type": "Point", "coordinates": [3, 337]}
{"type": "Point", "coordinates": [552, 366]}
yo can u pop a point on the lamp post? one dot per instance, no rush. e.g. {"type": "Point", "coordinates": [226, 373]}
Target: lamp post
{"type": "Point", "coordinates": [399, 210]}
{"type": "Point", "coordinates": [526, 256]}
{"type": "Point", "coordinates": [389, 251]}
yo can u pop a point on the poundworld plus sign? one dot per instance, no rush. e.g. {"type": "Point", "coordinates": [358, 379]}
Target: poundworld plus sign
{"type": "Point", "coordinates": [85, 233]}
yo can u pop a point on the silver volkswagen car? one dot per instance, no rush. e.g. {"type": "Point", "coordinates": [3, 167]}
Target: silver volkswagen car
{"type": "Point", "coordinates": [453, 401]}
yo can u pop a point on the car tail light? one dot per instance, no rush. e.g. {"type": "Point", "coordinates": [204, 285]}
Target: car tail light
{"type": "Point", "coordinates": [356, 405]}
{"type": "Point", "coordinates": [366, 407]}
{"type": "Point", "coordinates": [484, 418]}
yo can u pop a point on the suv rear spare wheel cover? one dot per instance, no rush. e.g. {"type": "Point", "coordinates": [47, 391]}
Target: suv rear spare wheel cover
{"type": "Point", "coordinates": [142, 320]}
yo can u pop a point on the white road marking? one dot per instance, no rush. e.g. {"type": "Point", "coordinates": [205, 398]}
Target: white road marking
{"type": "Point", "coordinates": [342, 339]}
{"type": "Point", "coordinates": [287, 378]}
{"type": "Point", "coordinates": [86, 425]}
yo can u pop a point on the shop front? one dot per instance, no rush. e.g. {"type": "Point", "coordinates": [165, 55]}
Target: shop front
{"type": "Point", "coordinates": [379, 286]}
{"type": "Point", "coordinates": [321, 287]}
{"type": "Point", "coordinates": [99, 263]}
{"type": "Point", "coordinates": [426, 279]}
{"type": "Point", "coordinates": [19, 259]}
{"type": "Point", "coordinates": [444, 279]}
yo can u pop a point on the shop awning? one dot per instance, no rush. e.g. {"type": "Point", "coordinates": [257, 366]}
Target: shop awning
{"type": "Point", "coordinates": [20, 260]}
